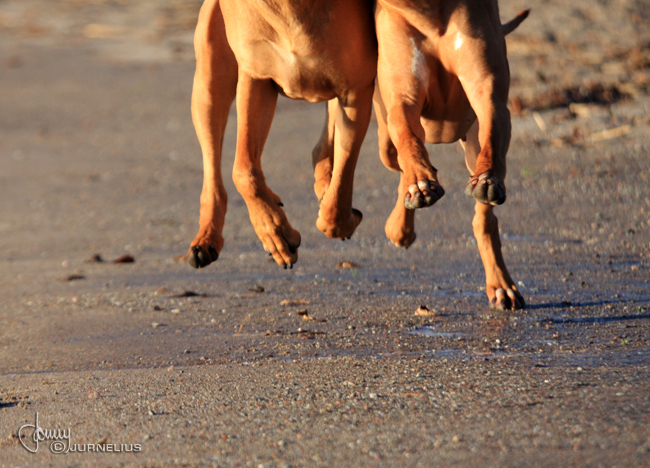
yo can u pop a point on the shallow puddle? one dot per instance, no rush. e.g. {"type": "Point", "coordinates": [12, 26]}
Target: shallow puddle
{"type": "Point", "coordinates": [431, 332]}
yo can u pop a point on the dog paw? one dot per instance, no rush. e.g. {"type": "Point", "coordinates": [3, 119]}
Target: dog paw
{"type": "Point", "coordinates": [272, 227]}
{"type": "Point", "coordinates": [339, 229]}
{"type": "Point", "coordinates": [281, 244]}
{"type": "Point", "coordinates": [485, 189]}
{"type": "Point", "coordinates": [198, 257]}
{"type": "Point", "coordinates": [507, 298]}
{"type": "Point", "coordinates": [400, 227]}
{"type": "Point", "coordinates": [423, 194]}
{"type": "Point", "coordinates": [400, 237]}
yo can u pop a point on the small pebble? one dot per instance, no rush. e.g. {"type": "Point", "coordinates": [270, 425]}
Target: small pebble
{"type": "Point", "coordinates": [423, 311]}
{"type": "Point", "coordinates": [96, 258]}
{"type": "Point", "coordinates": [346, 264]}
{"type": "Point", "coordinates": [124, 259]}
{"type": "Point", "coordinates": [73, 277]}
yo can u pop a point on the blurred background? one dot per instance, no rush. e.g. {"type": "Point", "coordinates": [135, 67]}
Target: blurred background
{"type": "Point", "coordinates": [584, 43]}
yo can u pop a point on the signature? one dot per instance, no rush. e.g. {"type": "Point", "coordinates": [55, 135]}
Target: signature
{"type": "Point", "coordinates": [60, 438]}
{"type": "Point", "coordinates": [31, 435]}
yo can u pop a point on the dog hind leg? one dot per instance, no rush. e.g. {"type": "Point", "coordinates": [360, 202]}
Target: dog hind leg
{"type": "Point", "coordinates": [471, 147]}
{"type": "Point", "coordinates": [215, 84]}
{"type": "Point", "coordinates": [387, 150]}
{"type": "Point", "coordinates": [350, 116]}
{"type": "Point", "coordinates": [400, 225]}
{"type": "Point", "coordinates": [500, 289]}
{"type": "Point", "coordinates": [323, 153]}
{"type": "Point", "coordinates": [256, 101]}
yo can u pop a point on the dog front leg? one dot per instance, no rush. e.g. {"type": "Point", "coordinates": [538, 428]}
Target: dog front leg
{"type": "Point", "coordinates": [215, 85]}
{"type": "Point", "coordinates": [256, 101]}
{"type": "Point", "coordinates": [419, 184]}
{"type": "Point", "coordinates": [486, 184]}
{"type": "Point", "coordinates": [351, 116]}
{"type": "Point", "coordinates": [485, 78]}
{"type": "Point", "coordinates": [403, 79]}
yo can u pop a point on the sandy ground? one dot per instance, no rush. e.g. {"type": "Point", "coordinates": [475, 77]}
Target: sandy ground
{"type": "Point", "coordinates": [245, 364]}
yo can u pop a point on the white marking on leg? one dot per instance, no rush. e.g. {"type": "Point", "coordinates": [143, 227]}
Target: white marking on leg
{"type": "Point", "coordinates": [419, 64]}
{"type": "Point", "coordinates": [459, 41]}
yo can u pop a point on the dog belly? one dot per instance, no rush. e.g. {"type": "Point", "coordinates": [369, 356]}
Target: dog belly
{"type": "Point", "coordinates": [295, 76]}
{"type": "Point", "coordinates": [448, 121]}
{"type": "Point", "coordinates": [445, 131]}
{"type": "Point", "coordinates": [303, 59]}
{"type": "Point", "coordinates": [446, 114]}
{"type": "Point", "coordinates": [305, 83]}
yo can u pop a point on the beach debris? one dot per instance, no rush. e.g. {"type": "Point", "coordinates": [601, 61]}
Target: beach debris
{"type": "Point", "coordinates": [96, 258]}
{"type": "Point", "coordinates": [124, 259]}
{"type": "Point", "coordinates": [304, 314]}
{"type": "Point", "coordinates": [610, 133]}
{"type": "Point", "coordinates": [73, 277]}
{"type": "Point", "coordinates": [287, 302]}
{"type": "Point", "coordinates": [423, 311]}
{"type": "Point", "coordinates": [190, 294]}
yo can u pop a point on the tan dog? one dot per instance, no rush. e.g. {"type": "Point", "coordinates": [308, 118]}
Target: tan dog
{"type": "Point", "coordinates": [443, 76]}
{"type": "Point", "coordinates": [317, 50]}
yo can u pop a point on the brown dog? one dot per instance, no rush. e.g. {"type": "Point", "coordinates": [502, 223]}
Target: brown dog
{"type": "Point", "coordinates": [251, 50]}
{"type": "Point", "coordinates": [443, 76]}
